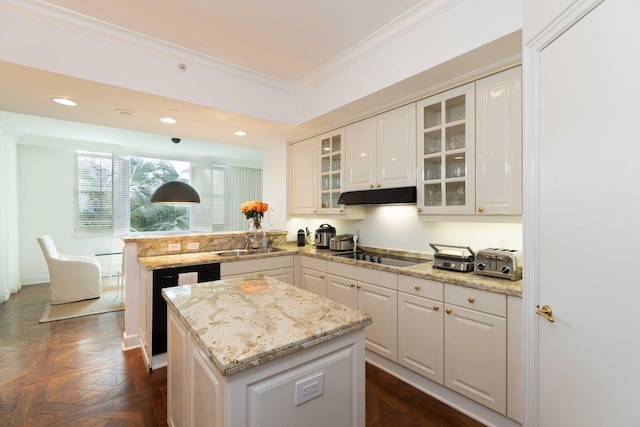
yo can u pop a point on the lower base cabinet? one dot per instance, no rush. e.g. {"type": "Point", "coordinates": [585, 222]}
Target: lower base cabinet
{"type": "Point", "coordinates": [371, 291]}
{"type": "Point", "coordinates": [280, 267]}
{"type": "Point", "coordinates": [421, 327]}
{"type": "Point", "coordinates": [475, 345]}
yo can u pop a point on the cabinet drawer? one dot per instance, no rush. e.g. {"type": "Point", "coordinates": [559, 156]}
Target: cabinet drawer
{"type": "Point", "coordinates": [255, 265]}
{"type": "Point", "coordinates": [315, 263]}
{"type": "Point", "coordinates": [421, 287]}
{"type": "Point", "coordinates": [476, 299]}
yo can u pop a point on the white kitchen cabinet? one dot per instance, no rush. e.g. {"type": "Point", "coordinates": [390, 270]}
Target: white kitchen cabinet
{"type": "Point", "coordinates": [279, 267]}
{"type": "Point", "coordinates": [316, 176]}
{"type": "Point", "coordinates": [381, 151]}
{"type": "Point", "coordinates": [178, 344]}
{"type": "Point", "coordinates": [446, 152]}
{"type": "Point", "coordinates": [515, 355]}
{"type": "Point", "coordinates": [475, 346]}
{"type": "Point", "coordinates": [499, 144]}
{"type": "Point", "coordinates": [421, 327]}
{"type": "Point", "coordinates": [470, 148]}
{"type": "Point", "coordinates": [313, 275]}
{"type": "Point", "coordinates": [303, 177]}
{"type": "Point", "coordinates": [371, 291]}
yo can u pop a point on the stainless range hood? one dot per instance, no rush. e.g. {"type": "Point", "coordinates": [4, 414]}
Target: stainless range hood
{"type": "Point", "coordinates": [404, 195]}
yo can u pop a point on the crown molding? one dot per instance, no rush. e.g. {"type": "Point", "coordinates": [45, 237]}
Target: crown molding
{"type": "Point", "coordinates": [59, 16]}
{"type": "Point", "coordinates": [411, 19]}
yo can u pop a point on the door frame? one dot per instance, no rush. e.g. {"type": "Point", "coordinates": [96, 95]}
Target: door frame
{"type": "Point", "coordinates": [531, 54]}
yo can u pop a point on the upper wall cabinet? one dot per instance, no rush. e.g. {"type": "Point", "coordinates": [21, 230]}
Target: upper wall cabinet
{"type": "Point", "coordinates": [446, 152]}
{"type": "Point", "coordinates": [381, 151]}
{"type": "Point", "coordinates": [316, 176]}
{"type": "Point", "coordinates": [499, 144]}
{"type": "Point", "coordinates": [470, 150]}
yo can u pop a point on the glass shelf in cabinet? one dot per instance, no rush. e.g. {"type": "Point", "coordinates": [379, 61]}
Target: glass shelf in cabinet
{"type": "Point", "coordinates": [454, 109]}
{"type": "Point", "coordinates": [455, 137]}
{"type": "Point", "coordinates": [432, 195]}
{"type": "Point", "coordinates": [432, 115]}
{"type": "Point", "coordinates": [335, 143]}
{"type": "Point", "coordinates": [455, 194]}
{"type": "Point", "coordinates": [432, 168]}
{"type": "Point", "coordinates": [433, 141]}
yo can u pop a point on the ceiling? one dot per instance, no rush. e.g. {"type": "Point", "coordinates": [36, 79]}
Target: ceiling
{"type": "Point", "coordinates": [285, 40]}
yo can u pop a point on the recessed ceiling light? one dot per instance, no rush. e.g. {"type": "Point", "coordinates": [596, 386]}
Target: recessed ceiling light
{"type": "Point", "coordinates": [65, 101]}
{"type": "Point", "coordinates": [168, 120]}
{"type": "Point", "coordinates": [124, 112]}
{"type": "Point", "coordinates": [240, 133]}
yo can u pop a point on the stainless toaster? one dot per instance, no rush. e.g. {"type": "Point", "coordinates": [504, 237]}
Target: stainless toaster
{"type": "Point", "coordinates": [496, 262]}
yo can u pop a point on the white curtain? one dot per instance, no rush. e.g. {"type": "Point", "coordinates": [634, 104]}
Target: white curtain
{"type": "Point", "coordinates": [9, 260]}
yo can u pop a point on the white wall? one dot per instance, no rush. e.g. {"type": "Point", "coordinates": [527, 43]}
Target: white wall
{"type": "Point", "coordinates": [46, 200]}
{"type": "Point", "coordinates": [397, 227]}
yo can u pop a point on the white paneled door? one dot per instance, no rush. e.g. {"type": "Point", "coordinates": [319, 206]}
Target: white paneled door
{"type": "Point", "coordinates": [582, 231]}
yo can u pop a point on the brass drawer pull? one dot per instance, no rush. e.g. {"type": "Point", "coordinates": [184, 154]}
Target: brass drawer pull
{"type": "Point", "coordinates": [436, 307]}
{"type": "Point", "coordinates": [471, 299]}
{"type": "Point", "coordinates": [448, 311]}
{"type": "Point", "coordinates": [416, 287]}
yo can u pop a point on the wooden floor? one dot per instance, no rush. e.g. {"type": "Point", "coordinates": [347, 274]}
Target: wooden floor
{"type": "Point", "coordinates": [74, 373]}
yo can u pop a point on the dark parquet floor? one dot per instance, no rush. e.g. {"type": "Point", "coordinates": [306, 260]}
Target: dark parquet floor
{"type": "Point", "coordinates": [74, 373]}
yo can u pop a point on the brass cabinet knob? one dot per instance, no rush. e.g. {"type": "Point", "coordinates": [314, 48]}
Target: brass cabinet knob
{"type": "Point", "coordinates": [448, 311]}
{"type": "Point", "coordinates": [546, 312]}
{"type": "Point", "coordinates": [471, 299]}
{"type": "Point", "coordinates": [378, 185]}
{"type": "Point", "coordinates": [341, 211]}
{"type": "Point", "coordinates": [353, 285]}
{"type": "Point", "coordinates": [358, 286]}
{"type": "Point", "coordinates": [370, 185]}
{"type": "Point", "coordinates": [417, 287]}
{"type": "Point", "coordinates": [419, 210]}
{"type": "Point", "coordinates": [436, 307]}
{"type": "Point", "coordinates": [322, 276]}
{"type": "Point", "coordinates": [480, 209]}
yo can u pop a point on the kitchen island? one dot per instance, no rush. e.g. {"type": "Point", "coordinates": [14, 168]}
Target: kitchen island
{"type": "Point", "coordinates": [257, 351]}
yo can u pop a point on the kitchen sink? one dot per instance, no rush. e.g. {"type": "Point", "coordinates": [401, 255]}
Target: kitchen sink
{"type": "Point", "coordinates": [240, 252]}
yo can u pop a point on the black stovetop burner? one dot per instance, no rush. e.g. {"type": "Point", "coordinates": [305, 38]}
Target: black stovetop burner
{"type": "Point", "coordinates": [378, 258]}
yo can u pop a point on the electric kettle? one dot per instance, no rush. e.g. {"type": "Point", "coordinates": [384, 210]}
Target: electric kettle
{"type": "Point", "coordinates": [323, 236]}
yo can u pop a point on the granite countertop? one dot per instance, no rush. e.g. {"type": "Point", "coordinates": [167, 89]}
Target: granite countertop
{"type": "Point", "coordinates": [268, 318]}
{"type": "Point", "coordinates": [421, 270]}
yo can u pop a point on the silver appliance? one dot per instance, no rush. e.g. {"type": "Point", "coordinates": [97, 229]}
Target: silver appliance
{"type": "Point", "coordinates": [323, 236]}
{"type": "Point", "coordinates": [497, 262]}
{"type": "Point", "coordinates": [343, 242]}
{"type": "Point", "coordinates": [455, 258]}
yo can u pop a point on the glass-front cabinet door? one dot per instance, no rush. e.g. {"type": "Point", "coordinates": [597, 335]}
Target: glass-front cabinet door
{"type": "Point", "coordinates": [331, 146]}
{"type": "Point", "coordinates": [446, 152]}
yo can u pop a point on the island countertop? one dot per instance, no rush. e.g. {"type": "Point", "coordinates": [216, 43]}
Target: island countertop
{"type": "Point", "coordinates": [248, 321]}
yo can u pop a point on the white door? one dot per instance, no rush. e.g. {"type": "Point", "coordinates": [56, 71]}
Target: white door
{"type": "Point", "coordinates": [582, 230]}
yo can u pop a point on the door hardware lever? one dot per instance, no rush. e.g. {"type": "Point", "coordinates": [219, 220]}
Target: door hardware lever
{"type": "Point", "coordinates": [545, 312]}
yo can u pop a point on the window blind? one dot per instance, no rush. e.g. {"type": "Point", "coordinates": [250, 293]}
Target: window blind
{"type": "Point", "coordinates": [93, 193]}
{"type": "Point", "coordinates": [121, 196]}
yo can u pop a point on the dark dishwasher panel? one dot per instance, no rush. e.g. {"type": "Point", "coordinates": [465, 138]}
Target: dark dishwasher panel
{"type": "Point", "coordinates": [166, 278]}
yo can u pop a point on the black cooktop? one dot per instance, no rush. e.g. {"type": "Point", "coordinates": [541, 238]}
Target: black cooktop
{"type": "Point", "coordinates": [378, 258]}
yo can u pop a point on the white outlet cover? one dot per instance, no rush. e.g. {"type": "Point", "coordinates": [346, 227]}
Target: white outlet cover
{"type": "Point", "coordinates": [193, 245]}
{"type": "Point", "coordinates": [309, 389]}
{"type": "Point", "coordinates": [174, 247]}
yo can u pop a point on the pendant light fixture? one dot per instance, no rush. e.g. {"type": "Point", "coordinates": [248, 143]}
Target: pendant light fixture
{"type": "Point", "coordinates": [175, 191]}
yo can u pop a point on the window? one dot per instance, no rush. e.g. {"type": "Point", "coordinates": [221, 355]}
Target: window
{"type": "Point", "coordinates": [125, 186]}
{"type": "Point", "coordinates": [93, 193]}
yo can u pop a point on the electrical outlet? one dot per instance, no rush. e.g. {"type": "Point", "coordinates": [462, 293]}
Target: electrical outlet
{"type": "Point", "coordinates": [193, 245]}
{"type": "Point", "coordinates": [173, 247]}
{"type": "Point", "coordinates": [309, 389]}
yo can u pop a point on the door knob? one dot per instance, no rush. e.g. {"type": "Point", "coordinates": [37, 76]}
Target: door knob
{"type": "Point", "coordinates": [545, 312]}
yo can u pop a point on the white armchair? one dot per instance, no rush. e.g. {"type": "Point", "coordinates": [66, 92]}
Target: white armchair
{"type": "Point", "coordinates": [73, 278]}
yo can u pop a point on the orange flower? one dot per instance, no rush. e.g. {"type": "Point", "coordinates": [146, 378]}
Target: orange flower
{"type": "Point", "coordinates": [254, 209]}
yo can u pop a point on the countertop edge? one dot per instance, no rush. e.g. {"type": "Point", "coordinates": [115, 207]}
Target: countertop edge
{"type": "Point", "coordinates": [421, 271]}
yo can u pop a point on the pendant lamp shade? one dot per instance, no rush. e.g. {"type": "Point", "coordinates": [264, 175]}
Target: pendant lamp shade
{"type": "Point", "coordinates": [175, 192]}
